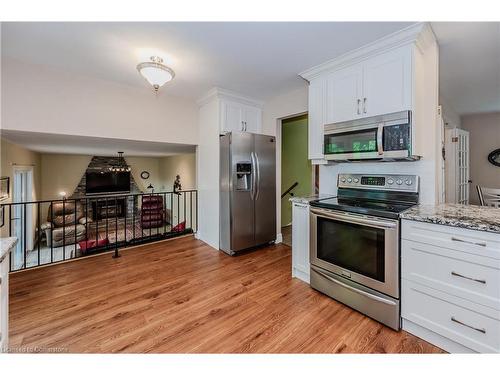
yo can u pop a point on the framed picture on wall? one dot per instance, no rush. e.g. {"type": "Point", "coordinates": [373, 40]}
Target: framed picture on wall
{"type": "Point", "coordinates": [4, 188]}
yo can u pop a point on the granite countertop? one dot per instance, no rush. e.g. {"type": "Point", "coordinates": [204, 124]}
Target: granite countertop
{"type": "Point", "coordinates": [306, 200]}
{"type": "Point", "coordinates": [457, 215]}
{"type": "Point", "coordinates": [6, 244]}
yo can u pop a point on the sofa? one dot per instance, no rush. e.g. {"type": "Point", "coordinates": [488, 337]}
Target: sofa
{"type": "Point", "coordinates": [65, 223]}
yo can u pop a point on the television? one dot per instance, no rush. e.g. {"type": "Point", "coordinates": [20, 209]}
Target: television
{"type": "Point", "coordinates": [107, 182]}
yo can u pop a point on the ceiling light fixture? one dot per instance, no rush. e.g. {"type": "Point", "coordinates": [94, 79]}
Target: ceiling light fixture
{"type": "Point", "coordinates": [155, 72]}
{"type": "Point", "coordinates": [121, 164]}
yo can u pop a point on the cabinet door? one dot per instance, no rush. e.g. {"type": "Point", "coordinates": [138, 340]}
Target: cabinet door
{"type": "Point", "coordinates": [344, 94]}
{"type": "Point", "coordinates": [316, 121]}
{"type": "Point", "coordinates": [300, 241]}
{"type": "Point", "coordinates": [252, 119]}
{"type": "Point", "coordinates": [232, 117]}
{"type": "Point", "coordinates": [387, 83]}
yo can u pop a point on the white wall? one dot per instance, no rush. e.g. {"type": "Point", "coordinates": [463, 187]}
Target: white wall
{"type": "Point", "coordinates": [484, 133]}
{"type": "Point", "coordinates": [40, 99]}
{"type": "Point", "coordinates": [207, 166]}
{"type": "Point", "coordinates": [183, 165]}
{"type": "Point", "coordinates": [450, 116]}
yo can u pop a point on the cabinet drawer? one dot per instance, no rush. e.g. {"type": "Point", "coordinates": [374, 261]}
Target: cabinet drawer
{"type": "Point", "coordinates": [471, 277]}
{"type": "Point", "coordinates": [449, 317]}
{"type": "Point", "coordinates": [474, 242]}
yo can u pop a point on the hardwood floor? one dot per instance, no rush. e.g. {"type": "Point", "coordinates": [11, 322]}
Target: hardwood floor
{"type": "Point", "coordinates": [182, 296]}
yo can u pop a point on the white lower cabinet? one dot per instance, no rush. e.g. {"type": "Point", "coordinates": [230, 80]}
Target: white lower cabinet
{"type": "Point", "coordinates": [4, 304]}
{"type": "Point", "coordinates": [300, 241]}
{"type": "Point", "coordinates": [451, 286]}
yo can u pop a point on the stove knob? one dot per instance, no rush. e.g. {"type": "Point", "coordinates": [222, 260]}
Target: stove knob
{"type": "Point", "coordinates": [390, 181]}
{"type": "Point", "coordinates": [399, 181]}
{"type": "Point", "coordinates": [356, 180]}
{"type": "Point", "coordinates": [349, 180]}
{"type": "Point", "coordinates": [408, 182]}
{"type": "Point", "coordinates": [342, 179]}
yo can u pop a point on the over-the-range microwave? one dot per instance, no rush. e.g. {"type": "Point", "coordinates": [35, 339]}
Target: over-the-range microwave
{"type": "Point", "coordinates": [385, 138]}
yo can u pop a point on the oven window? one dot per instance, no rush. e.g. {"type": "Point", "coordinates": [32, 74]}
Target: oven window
{"type": "Point", "coordinates": [355, 247]}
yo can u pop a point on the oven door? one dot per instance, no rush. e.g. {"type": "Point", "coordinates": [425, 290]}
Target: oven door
{"type": "Point", "coordinates": [364, 249]}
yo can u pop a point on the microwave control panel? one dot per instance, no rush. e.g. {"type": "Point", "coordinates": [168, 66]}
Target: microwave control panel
{"type": "Point", "coordinates": [396, 137]}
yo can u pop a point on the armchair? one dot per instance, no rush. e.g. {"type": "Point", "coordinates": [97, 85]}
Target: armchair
{"type": "Point", "coordinates": [64, 218]}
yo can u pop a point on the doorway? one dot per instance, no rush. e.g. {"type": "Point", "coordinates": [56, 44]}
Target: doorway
{"type": "Point", "coordinates": [296, 170]}
{"type": "Point", "coordinates": [23, 214]}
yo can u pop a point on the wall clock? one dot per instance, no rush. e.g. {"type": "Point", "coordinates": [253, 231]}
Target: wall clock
{"type": "Point", "coordinates": [494, 157]}
{"type": "Point", "coordinates": [144, 175]}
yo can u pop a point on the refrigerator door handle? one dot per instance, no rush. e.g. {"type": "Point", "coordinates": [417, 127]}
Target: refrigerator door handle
{"type": "Point", "coordinates": [252, 189]}
{"type": "Point", "coordinates": [257, 183]}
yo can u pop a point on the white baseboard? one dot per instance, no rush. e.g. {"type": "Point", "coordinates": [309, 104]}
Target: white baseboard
{"type": "Point", "coordinates": [279, 238]}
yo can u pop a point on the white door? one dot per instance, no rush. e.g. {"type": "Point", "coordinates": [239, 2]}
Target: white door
{"type": "Point", "coordinates": [316, 120]}
{"type": "Point", "coordinates": [344, 94]}
{"type": "Point", "coordinates": [252, 119]}
{"type": "Point", "coordinates": [457, 166]}
{"type": "Point", "coordinates": [22, 219]}
{"type": "Point", "coordinates": [232, 117]}
{"type": "Point", "coordinates": [387, 83]}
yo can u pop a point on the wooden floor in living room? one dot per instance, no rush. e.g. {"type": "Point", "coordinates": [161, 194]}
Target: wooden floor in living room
{"type": "Point", "coordinates": [181, 296]}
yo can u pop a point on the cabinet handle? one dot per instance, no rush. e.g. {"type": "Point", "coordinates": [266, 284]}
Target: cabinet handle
{"type": "Point", "coordinates": [359, 109]}
{"type": "Point", "coordinates": [453, 273]}
{"type": "Point", "coordinates": [243, 126]}
{"type": "Point", "coordinates": [482, 330]}
{"type": "Point", "coordinates": [364, 105]}
{"type": "Point", "coordinates": [470, 242]}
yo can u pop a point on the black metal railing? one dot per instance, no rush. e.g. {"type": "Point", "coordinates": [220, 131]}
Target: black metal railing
{"type": "Point", "coordinates": [289, 190]}
{"type": "Point", "coordinates": [52, 231]}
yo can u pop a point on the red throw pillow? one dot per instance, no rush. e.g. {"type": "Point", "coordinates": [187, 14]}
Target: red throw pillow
{"type": "Point", "coordinates": [179, 227]}
{"type": "Point", "coordinates": [90, 244]}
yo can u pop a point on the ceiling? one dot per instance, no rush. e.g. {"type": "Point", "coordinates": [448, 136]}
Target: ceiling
{"type": "Point", "coordinates": [469, 65]}
{"type": "Point", "coordinates": [256, 59]}
{"type": "Point", "coordinates": [69, 144]}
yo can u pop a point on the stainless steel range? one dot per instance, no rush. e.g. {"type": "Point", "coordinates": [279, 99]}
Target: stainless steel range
{"type": "Point", "coordinates": [355, 242]}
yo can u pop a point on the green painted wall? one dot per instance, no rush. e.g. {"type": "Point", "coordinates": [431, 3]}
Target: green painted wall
{"type": "Point", "coordinates": [295, 165]}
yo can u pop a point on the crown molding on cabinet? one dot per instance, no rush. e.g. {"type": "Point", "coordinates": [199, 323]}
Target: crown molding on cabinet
{"type": "Point", "coordinates": [221, 93]}
{"type": "Point", "coordinates": [420, 34]}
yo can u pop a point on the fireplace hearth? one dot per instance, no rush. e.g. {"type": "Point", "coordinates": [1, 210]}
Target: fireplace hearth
{"type": "Point", "coordinates": [111, 208]}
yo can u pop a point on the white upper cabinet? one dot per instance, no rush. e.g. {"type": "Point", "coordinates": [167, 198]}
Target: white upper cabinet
{"type": "Point", "coordinates": [344, 92]}
{"type": "Point", "coordinates": [387, 82]}
{"type": "Point", "coordinates": [393, 74]}
{"type": "Point", "coordinates": [240, 117]}
{"type": "Point", "coordinates": [317, 96]}
{"type": "Point", "coordinates": [379, 85]}
{"type": "Point", "coordinates": [252, 118]}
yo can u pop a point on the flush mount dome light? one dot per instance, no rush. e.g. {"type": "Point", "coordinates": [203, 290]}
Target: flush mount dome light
{"type": "Point", "coordinates": [155, 72]}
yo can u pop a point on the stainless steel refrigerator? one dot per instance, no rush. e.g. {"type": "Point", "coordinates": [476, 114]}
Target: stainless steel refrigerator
{"type": "Point", "coordinates": [247, 191]}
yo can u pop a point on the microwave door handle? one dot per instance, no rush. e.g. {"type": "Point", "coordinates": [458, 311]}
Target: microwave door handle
{"type": "Point", "coordinates": [380, 145]}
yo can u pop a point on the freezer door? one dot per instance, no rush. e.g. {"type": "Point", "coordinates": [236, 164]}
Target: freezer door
{"type": "Point", "coordinates": [265, 195]}
{"type": "Point", "coordinates": [241, 192]}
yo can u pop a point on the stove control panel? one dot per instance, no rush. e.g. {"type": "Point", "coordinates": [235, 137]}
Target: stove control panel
{"type": "Point", "coordinates": [390, 182]}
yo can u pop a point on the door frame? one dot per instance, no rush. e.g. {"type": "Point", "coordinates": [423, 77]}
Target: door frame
{"type": "Point", "coordinates": [29, 241]}
{"type": "Point", "coordinates": [279, 128]}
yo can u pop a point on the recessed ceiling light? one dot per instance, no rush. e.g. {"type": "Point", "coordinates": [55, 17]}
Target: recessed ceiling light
{"type": "Point", "coordinates": [155, 72]}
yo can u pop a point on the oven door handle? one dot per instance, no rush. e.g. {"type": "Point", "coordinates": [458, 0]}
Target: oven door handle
{"type": "Point", "coordinates": [355, 219]}
{"type": "Point", "coordinates": [355, 290]}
